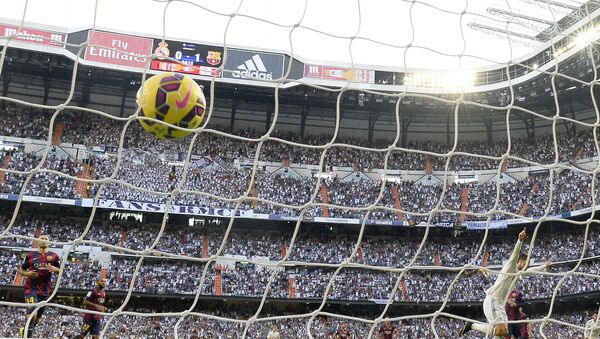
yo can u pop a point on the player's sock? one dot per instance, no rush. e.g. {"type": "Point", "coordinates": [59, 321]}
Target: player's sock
{"type": "Point", "coordinates": [483, 328]}
{"type": "Point", "coordinates": [29, 332]}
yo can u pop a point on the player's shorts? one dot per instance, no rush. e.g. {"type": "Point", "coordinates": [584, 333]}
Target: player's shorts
{"type": "Point", "coordinates": [32, 298]}
{"type": "Point", "coordinates": [91, 326]}
{"type": "Point", "coordinates": [514, 330]}
{"type": "Point", "coordinates": [494, 311]}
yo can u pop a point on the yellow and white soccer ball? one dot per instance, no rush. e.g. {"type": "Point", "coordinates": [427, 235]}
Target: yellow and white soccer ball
{"type": "Point", "coordinates": [173, 98]}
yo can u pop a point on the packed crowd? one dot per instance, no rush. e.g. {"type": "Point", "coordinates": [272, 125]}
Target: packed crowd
{"type": "Point", "coordinates": [148, 170]}
{"type": "Point", "coordinates": [165, 276]}
{"type": "Point", "coordinates": [159, 276]}
{"type": "Point", "coordinates": [59, 323]}
{"type": "Point", "coordinates": [541, 150]}
{"type": "Point", "coordinates": [350, 284]}
{"type": "Point", "coordinates": [529, 197]}
{"type": "Point", "coordinates": [310, 245]}
{"type": "Point", "coordinates": [32, 123]}
{"type": "Point", "coordinates": [42, 184]}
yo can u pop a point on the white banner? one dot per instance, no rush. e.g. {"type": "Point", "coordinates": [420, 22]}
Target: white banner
{"type": "Point", "coordinates": [337, 220]}
{"type": "Point", "coordinates": [160, 208]}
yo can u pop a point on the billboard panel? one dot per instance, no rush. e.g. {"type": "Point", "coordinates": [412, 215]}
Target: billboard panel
{"type": "Point", "coordinates": [169, 66]}
{"type": "Point", "coordinates": [34, 36]}
{"type": "Point", "coordinates": [340, 74]}
{"type": "Point", "coordinates": [118, 49]}
{"type": "Point", "coordinates": [244, 64]}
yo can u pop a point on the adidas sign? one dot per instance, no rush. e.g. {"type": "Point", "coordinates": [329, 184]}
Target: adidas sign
{"type": "Point", "coordinates": [253, 68]}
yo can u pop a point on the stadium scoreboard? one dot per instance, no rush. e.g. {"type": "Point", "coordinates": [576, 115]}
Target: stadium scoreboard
{"type": "Point", "coordinates": [192, 58]}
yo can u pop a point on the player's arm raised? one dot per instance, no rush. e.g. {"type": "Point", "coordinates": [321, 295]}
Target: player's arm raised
{"type": "Point", "coordinates": [514, 257]}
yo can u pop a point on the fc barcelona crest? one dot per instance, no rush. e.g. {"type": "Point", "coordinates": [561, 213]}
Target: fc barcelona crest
{"type": "Point", "coordinates": [213, 58]}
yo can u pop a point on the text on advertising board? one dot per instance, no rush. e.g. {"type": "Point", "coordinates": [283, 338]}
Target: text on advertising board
{"type": "Point", "coordinates": [341, 74]}
{"type": "Point", "coordinates": [34, 36]}
{"type": "Point", "coordinates": [118, 49]}
{"type": "Point", "coordinates": [242, 64]}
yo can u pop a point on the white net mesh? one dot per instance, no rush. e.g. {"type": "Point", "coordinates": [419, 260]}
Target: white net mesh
{"type": "Point", "coordinates": [400, 276]}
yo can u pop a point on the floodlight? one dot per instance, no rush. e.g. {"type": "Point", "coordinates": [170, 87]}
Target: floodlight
{"type": "Point", "coordinates": [584, 38]}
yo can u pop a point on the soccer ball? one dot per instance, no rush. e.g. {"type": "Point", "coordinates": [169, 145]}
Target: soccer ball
{"type": "Point", "coordinates": [173, 98]}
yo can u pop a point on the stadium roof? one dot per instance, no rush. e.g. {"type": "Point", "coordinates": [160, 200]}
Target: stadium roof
{"type": "Point", "coordinates": [422, 34]}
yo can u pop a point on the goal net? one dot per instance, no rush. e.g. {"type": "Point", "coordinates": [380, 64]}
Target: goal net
{"type": "Point", "coordinates": [379, 192]}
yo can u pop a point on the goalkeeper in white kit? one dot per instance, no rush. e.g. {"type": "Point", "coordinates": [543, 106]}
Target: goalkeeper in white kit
{"type": "Point", "coordinates": [495, 296]}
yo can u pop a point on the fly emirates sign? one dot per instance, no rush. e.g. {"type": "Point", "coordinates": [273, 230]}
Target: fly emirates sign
{"type": "Point", "coordinates": [118, 49]}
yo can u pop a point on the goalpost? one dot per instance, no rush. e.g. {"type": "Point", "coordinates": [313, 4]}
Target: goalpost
{"type": "Point", "coordinates": [451, 88]}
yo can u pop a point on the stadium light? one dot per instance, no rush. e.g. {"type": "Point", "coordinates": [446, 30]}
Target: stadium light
{"type": "Point", "coordinates": [586, 37]}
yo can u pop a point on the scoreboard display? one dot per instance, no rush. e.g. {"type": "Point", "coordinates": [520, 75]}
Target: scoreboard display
{"type": "Point", "coordinates": [192, 58]}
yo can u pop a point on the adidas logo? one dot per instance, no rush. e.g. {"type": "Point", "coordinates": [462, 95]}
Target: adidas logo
{"type": "Point", "coordinates": [253, 68]}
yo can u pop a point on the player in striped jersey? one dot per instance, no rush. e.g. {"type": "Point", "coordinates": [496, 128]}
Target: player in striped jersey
{"type": "Point", "coordinates": [513, 305]}
{"type": "Point", "coordinates": [94, 300]}
{"type": "Point", "coordinates": [37, 268]}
